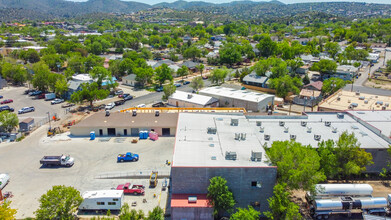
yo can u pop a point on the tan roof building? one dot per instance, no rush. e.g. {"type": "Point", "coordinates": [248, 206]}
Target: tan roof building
{"type": "Point", "coordinates": [126, 124]}
{"type": "Point", "coordinates": [344, 100]}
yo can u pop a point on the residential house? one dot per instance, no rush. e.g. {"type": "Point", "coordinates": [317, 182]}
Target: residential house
{"type": "Point", "coordinates": [345, 72]}
{"type": "Point", "coordinates": [255, 80]}
{"type": "Point", "coordinates": [190, 65]}
{"type": "Point", "coordinates": [130, 80]}
{"type": "Point", "coordinates": [316, 86]}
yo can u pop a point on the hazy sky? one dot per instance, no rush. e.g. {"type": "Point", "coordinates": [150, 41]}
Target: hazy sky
{"type": "Point", "coordinates": [285, 1]}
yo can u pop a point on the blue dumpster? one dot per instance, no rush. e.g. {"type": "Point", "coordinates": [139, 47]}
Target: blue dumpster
{"type": "Point", "coordinates": [92, 135]}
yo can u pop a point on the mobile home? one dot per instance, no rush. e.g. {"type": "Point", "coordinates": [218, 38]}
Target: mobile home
{"type": "Point", "coordinates": [102, 200]}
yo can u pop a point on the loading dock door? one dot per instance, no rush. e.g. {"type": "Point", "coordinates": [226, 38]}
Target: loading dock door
{"type": "Point", "coordinates": [111, 131]}
{"type": "Point", "coordinates": [125, 132]}
{"type": "Point", "coordinates": [134, 132]}
{"type": "Point", "coordinates": [166, 131]}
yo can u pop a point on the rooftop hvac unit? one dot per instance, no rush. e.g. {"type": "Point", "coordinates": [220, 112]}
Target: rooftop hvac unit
{"type": "Point", "coordinates": [259, 123]}
{"type": "Point", "coordinates": [157, 113]}
{"type": "Point", "coordinates": [189, 96]}
{"type": "Point", "coordinates": [362, 97]}
{"type": "Point", "coordinates": [234, 122]}
{"type": "Point", "coordinates": [358, 92]}
{"type": "Point", "coordinates": [338, 98]}
{"type": "Point", "coordinates": [317, 137]}
{"type": "Point", "coordinates": [211, 145]}
{"type": "Point", "coordinates": [237, 136]}
{"type": "Point", "coordinates": [383, 108]}
{"type": "Point", "coordinates": [230, 155]}
{"type": "Point", "coordinates": [303, 123]}
{"type": "Point", "coordinates": [286, 129]}
{"type": "Point", "coordinates": [327, 123]}
{"type": "Point", "coordinates": [340, 115]}
{"type": "Point", "coordinates": [212, 130]}
{"type": "Point", "coordinates": [309, 129]}
{"type": "Point", "coordinates": [334, 129]}
{"type": "Point", "coordinates": [293, 137]}
{"type": "Point", "coordinates": [107, 113]}
{"type": "Point", "coordinates": [267, 137]}
{"type": "Point", "coordinates": [243, 136]}
{"type": "Point", "coordinates": [134, 112]}
{"type": "Point", "coordinates": [366, 102]}
{"type": "Point", "coordinates": [192, 199]}
{"type": "Point", "coordinates": [261, 129]}
{"type": "Point", "coordinates": [386, 104]}
{"type": "Point", "coordinates": [282, 123]}
{"type": "Point", "coordinates": [256, 156]}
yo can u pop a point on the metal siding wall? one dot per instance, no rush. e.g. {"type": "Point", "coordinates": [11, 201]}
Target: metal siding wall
{"type": "Point", "coordinates": [196, 180]}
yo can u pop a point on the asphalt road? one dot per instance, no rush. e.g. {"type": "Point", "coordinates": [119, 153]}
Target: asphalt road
{"type": "Point", "coordinates": [358, 83]}
{"type": "Point", "coordinates": [155, 97]}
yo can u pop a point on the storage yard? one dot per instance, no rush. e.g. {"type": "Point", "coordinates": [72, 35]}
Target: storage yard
{"type": "Point", "coordinates": [94, 162]}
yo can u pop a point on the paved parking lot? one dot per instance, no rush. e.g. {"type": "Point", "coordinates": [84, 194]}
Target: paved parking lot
{"type": "Point", "coordinates": [20, 101]}
{"type": "Point", "coordinates": [29, 180]}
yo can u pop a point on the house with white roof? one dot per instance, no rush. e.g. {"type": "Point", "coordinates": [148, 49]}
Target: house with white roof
{"type": "Point", "coordinates": [190, 100]}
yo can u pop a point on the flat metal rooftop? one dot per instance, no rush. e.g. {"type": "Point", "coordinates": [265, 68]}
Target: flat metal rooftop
{"type": "Point", "coordinates": [194, 147]}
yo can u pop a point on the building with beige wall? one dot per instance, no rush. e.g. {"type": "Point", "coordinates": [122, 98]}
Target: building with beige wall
{"type": "Point", "coordinates": [344, 100]}
{"type": "Point", "coordinates": [126, 124]}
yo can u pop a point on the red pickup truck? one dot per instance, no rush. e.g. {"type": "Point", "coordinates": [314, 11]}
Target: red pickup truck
{"type": "Point", "coordinates": [129, 188]}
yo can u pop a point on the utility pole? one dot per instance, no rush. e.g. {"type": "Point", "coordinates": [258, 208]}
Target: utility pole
{"type": "Point", "coordinates": [50, 126]}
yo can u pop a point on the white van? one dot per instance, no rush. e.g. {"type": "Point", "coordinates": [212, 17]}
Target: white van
{"type": "Point", "coordinates": [4, 178]}
{"type": "Point", "coordinates": [102, 200]}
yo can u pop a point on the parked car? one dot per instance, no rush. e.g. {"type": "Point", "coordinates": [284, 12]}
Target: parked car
{"type": "Point", "coordinates": [118, 92]}
{"type": "Point", "coordinates": [67, 105]}
{"type": "Point", "coordinates": [177, 84]}
{"type": "Point", "coordinates": [127, 157]}
{"type": "Point", "coordinates": [141, 106]}
{"type": "Point", "coordinates": [41, 96]}
{"type": "Point", "coordinates": [159, 89]}
{"type": "Point", "coordinates": [1, 96]}
{"type": "Point", "coordinates": [26, 92]}
{"type": "Point", "coordinates": [129, 188]}
{"type": "Point", "coordinates": [110, 106]}
{"type": "Point", "coordinates": [129, 97]}
{"type": "Point", "coordinates": [6, 108]}
{"type": "Point", "coordinates": [159, 104]}
{"type": "Point", "coordinates": [57, 101]}
{"type": "Point", "coordinates": [6, 101]}
{"type": "Point", "coordinates": [123, 95]}
{"type": "Point", "coordinates": [26, 109]}
{"type": "Point", "coordinates": [35, 93]}
{"type": "Point", "coordinates": [119, 102]}
{"type": "Point", "coordinates": [186, 82]}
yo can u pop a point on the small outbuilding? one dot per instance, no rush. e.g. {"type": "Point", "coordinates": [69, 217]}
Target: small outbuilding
{"type": "Point", "coordinates": [26, 124]}
{"type": "Point", "coordinates": [185, 99]}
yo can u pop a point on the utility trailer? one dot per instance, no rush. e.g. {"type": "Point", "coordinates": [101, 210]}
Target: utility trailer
{"type": "Point", "coordinates": [102, 200]}
{"type": "Point", "coordinates": [62, 160]}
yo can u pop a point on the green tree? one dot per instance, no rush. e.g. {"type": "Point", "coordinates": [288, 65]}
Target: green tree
{"type": "Point", "coordinates": [286, 84]}
{"type": "Point", "coordinates": [267, 47]}
{"type": "Point", "coordinates": [248, 214]}
{"type": "Point", "coordinates": [298, 166]}
{"type": "Point", "coordinates": [32, 56]}
{"type": "Point", "coordinates": [200, 68]}
{"type": "Point", "coordinates": [61, 87]}
{"type": "Point", "coordinates": [127, 214]}
{"type": "Point", "coordinates": [332, 48]}
{"type": "Point", "coordinates": [192, 53]}
{"type": "Point", "coordinates": [332, 85]}
{"type": "Point", "coordinates": [217, 76]}
{"type": "Point", "coordinates": [230, 54]}
{"type": "Point", "coordinates": [219, 196]}
{"type": "Point", "coordinates": [143, 75]}
{"type": "Point", "coordinates": [183, 71]}
{"type": "Point", "coordinates": [306, 80]}
{"type": "Point", "coordinates": [328, 158]}
{"type": "Point", "coordinates": [96, 48]}
{"type": "Point", "coordinates": [261, 67]}
{"type": "Point", "coordinates": [162, 74]}
{"type": "Point", "coordinates": [60, 202]}
{"type": "Point", "coordinates": [197, 83]}
{"type": "Point", "coordinates": [294, 65]}
{"type": "Point", "coordinates": [279, 69]}
{"type": "Point", "coordinates": [41, 76]}
{"type": "Point", "coordinates": [6, 212]}
{"type": "Point", "coordinates": [389, 65]}
{"type": "Point", "coordinates": [156, 214]}
{"type": "Point", "coordinates": [15, 72]}
{"type": "Point", "coordinates": [326, 67]}
{"type": "Point", "coordinates": [100, 74]}
{"type": "Point", "coordinates": [89, 92]}
{"type": "Point", "coordinates": [8, 120]}
{"type": "Point", "coordinates": [168, 90]}
{"type": "Point", "coordinates": [280, 205]}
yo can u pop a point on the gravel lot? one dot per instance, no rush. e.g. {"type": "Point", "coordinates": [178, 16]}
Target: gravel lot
{"type": "Point", "coordinates": [20, 101]}
{"type": "Point", "coordinates": [92, 158]}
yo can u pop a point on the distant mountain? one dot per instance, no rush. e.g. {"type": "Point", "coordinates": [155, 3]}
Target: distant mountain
{"type": "Point", "coordinates": [183, 5]}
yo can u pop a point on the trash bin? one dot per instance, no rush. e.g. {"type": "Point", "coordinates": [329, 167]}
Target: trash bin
{"type": "Point", "coordinates": [92, 135]}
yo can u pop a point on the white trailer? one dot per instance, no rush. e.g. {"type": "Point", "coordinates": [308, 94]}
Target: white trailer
{"type": "Point", "coordinates": [4, 178]}
{"type": "Point", "coordinates": [324, 191]}
{"type": "Point", "coordinates": [102, 200]}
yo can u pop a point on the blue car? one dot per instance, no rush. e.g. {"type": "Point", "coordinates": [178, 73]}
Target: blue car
{"type": "Point", "coordinates": [127, 157]}
{"type": "Point", "coordinates": [186, 82]}
{"type": "Point", "coordinates": [1, 96]}
{"type": "Point", "coordinates": [177, 85]}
